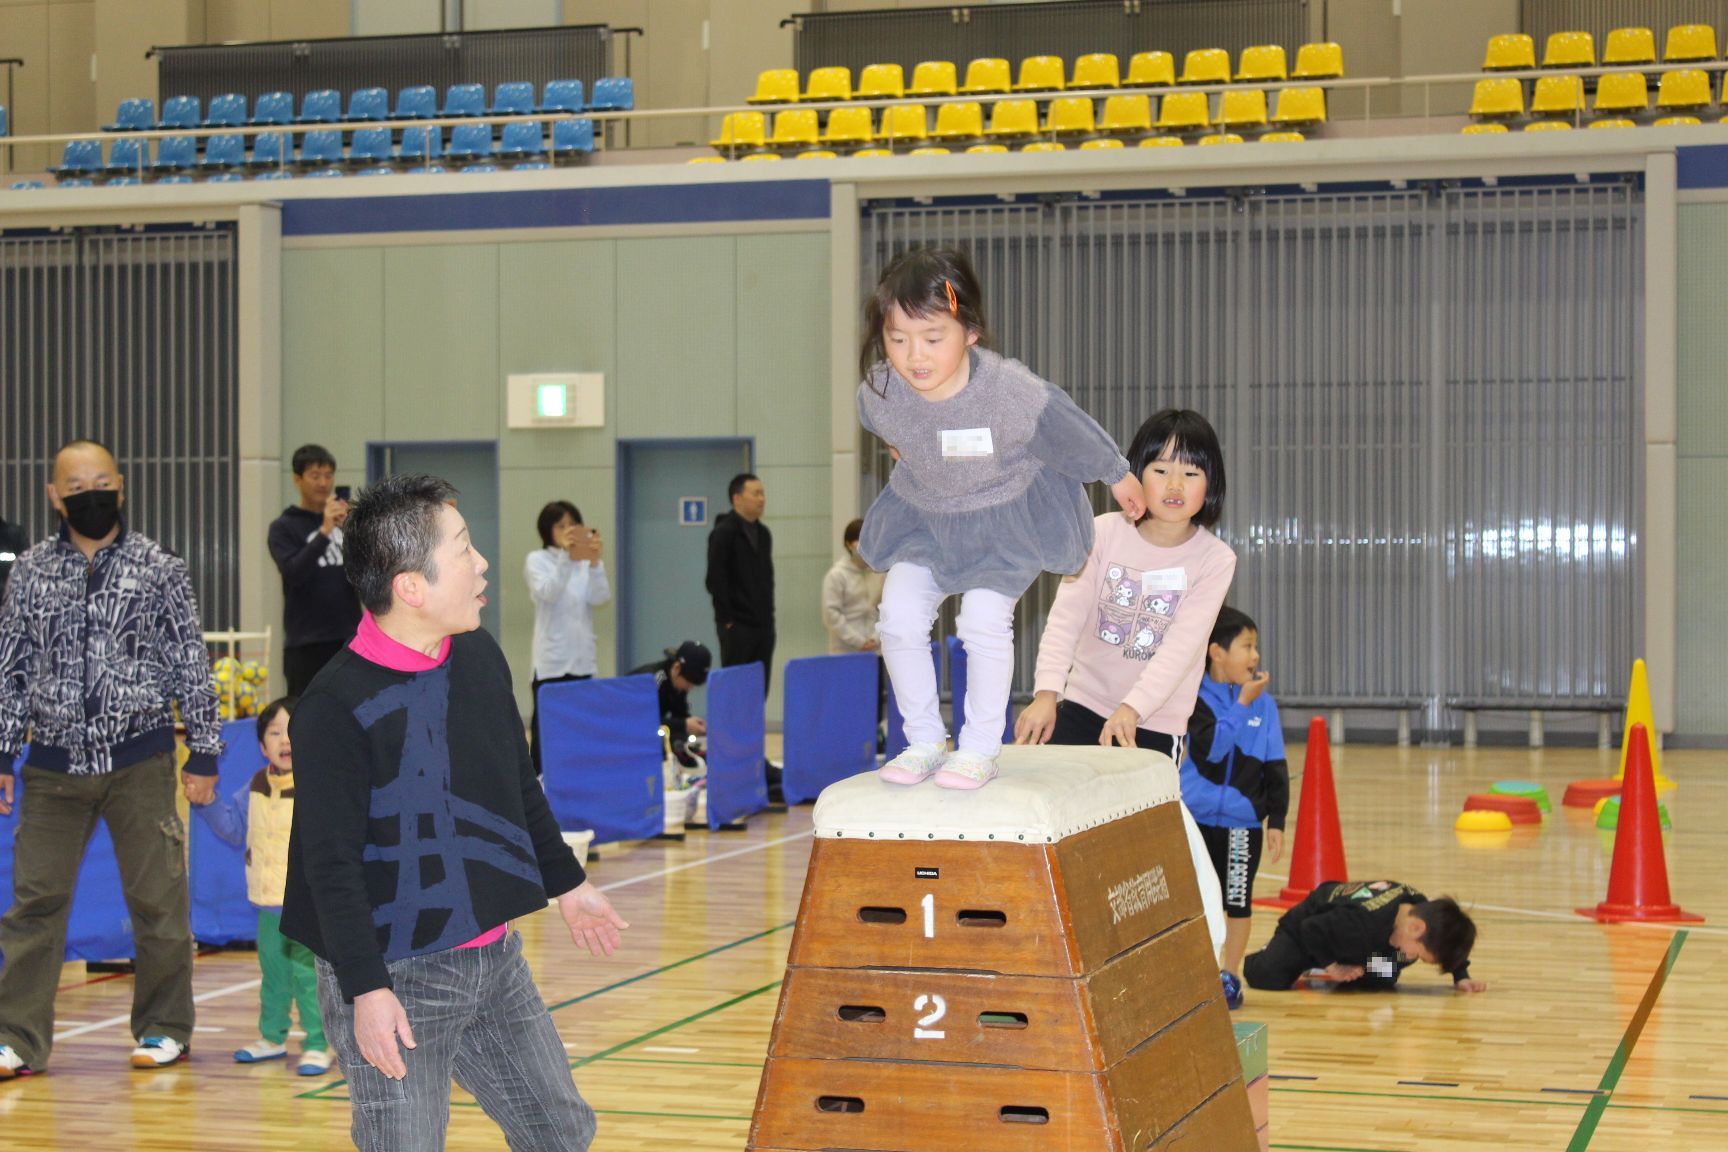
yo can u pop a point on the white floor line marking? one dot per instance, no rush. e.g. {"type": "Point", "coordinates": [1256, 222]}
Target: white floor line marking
{"type": "Point", "coordinates": [704, 861]}
{"type": "Point", "coordinates": [215, 994]}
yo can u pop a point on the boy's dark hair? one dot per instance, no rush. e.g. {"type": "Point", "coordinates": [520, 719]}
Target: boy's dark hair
{"type": "Point", "coordinates": [736, 487]}
{"type": "Point", "coordinates": [393, 528]}
{"type": "Point", "coordinates": [272, 710]}
{"type": "Point", "coordinates": [551, 514]}
{"type": "Point", "coordinates": [918, 281]}
{"type": "Point", "coordinates": [1192, 442]}
{"type": "Point", "coordinates": [853, 531]}
{"type": "Point", "coordinates": [1450, 935]}
{"type": "Point", "coordinates": [310, 455]}
{"type": "Point", "coordinates": [1232, 622]}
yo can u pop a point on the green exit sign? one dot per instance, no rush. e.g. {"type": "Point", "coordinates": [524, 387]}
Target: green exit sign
{"type": "Point", "coordinates": [551, 401]}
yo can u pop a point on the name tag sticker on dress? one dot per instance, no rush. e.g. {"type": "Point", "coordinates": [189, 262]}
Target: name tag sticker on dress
{"type": "Point", "coordinates": [1165, 580]}
{"type": "Point", "coordinates": [967, 443]}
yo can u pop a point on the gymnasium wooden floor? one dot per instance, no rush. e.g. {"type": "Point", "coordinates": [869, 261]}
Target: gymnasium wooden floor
{"type": "Point", "coordinates": [1580, 1043]}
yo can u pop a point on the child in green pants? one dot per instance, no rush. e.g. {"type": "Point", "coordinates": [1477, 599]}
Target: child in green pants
{"type": "Point", "coordinates": [259, 819]}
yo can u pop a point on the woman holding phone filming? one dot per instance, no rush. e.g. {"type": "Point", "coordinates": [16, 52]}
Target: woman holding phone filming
{"type": "Point", "coordinates": [567, 579]}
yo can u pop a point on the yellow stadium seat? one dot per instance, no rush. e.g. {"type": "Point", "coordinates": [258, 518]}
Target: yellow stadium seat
{"type": "Point", "coordinates": [1569, 50]}
{"type": "Point", "coordinates": [1070, 116]}
{"type": "Point", "coordinates": [1261, 64]}
{"type": "Point", "coordinates": [1221, 138]}
{"type": "Point", "coordinates": [1622, 92]}
{"type": "Point", "coordinates": [1206, 66]}
{"type": "Point", "coordinates": [852, 126]}
{"type": "Point", "coordinates": [1678, 122]}
{"type": "Point", "coordinates": [1184, 110]}
{"type": "Point", "coordinates": [934, 78]}
{"type": "Point", "coordinates": [1151, 70]}
{"type": "Point", "coordinates": [819, 154]}
{"type": "Point", "coordinates": [871, 153]}
{"type": "Point", "coordinates": [881, 82]}
{"type": "Point", "coordinates": [959, 121]}
{"type": "Point", "coordinates": [1484, 129]}
{"type": "Point", "coordinates": [829, 84]}
{"type": "Point", "coordinates": [1558, 96]}
{"type": "Point", "coordinates": [1013, 118]}
{"type": "Point", "coordinates": [1095, 145]}
{"type": "Point", "coordinates": [1510, 52]}
{"type": "Point", "coordinates": [707, 160]}
{"type": "Point", "coordinates": [776, 86]}
{"type": "Point", "coordinates": [1319, 62]}
{"type": "Point", "coordinates": [1497, 98]}
{"type": "Point", "coordinates": [795, 129]}
{"type": "Point", "coordinates": [1686, 88]}
{"type": "Point", "coordinates": [762, 156]}
{"type": "Point", "coordinates": [929, 152]}
{"type": "Point", "coordinates": [1300, 106]}
{"type": "Point", "coordinates": [1283, 138]}
{"type": "Point", "coordinates": [1547, 126]}
{"type": "Point", "coordinates": [904, 122]}
{"type": "Point", "coordinates": [1127, 114]}
{"type": "Point", "coordinates": [1689, 42]}
{"type": "Point", "coordinates": [1161, 142]}
{"type": "Point", "coordinates": [1045, 146]}
{"type": "Point", "coordinates": [984, 76]}
{"type": "Point", "coordinates": [1041, 74]}
{"type": "Point", "coordinates": [986, 149]}
{"type": "Point", "coordinates": [1612, 123]}
{"type": "Point", "coordinates": [742, 130]}
{"type": "Point", "coordinates": [1243, 108]}
{"type": "Point", "coordinates": [1097, 70]}
{"type": "Point", "coordinates": [1626, 46]}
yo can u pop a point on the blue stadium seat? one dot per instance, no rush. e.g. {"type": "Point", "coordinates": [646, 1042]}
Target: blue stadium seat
{"type": "Point", "coordinates": [182, 112]}
{"type": "Point", "coordinates": [524, 138]}
{"type": "Point", "coordinates": [224, 178]}
{"type": "Point", "coordinates": [321, 107]}
{"type": "Point", "coordinates": [465, 100]}
{"type": "Point", "coordinates": [562, 96]}
{"type": "Point", "coordinates": [532, 166]}
{"type": "Point", "coordinates": [323, 173]}
{"type": "Point", "coordinates": [177, 178]}
{"type": "Point", "coordinates": [428, 170]}
{"type": "Point", "coordinates": [176, 153]}
{"type": "Point", "coordinates": [369, 104]}
{"type": "Point", "coordinates": [225, 151]}
{"type": "Point", "coordinates": [80, 156]}
{"type": "Point", "coordinates": [417, 103]}
{"type": "Point", "coordinates": [470, 142]}
{"type": "Point", "coordinates": [129, 155]}
{"type": "Point", "coordinates": [614, 94]}
{"type": "Point", "coordinates": [27, 185]}
{"type": "Point", "coordinates": [3, 123]}
{"type": "Point", "coordinates": [122, 181]}
{"type": "Point", "coordinates": [274, 108]}
{"type": "Point", "coordinates": [272, 149]}
{"type": "Point", "coordinates": [420, 144]}
{"type": "Point", "coordinates": [227, 111]}
{"type": "Point", "coordinates": [377, 170]}
{"type": "Point", "coordinates": [133, 116]}
{"type": "Point", "coordinates": [371, 146]}
{"type": "Point", "coordinates": [481, 168]}
{"type": "Point", "coordinates": [572, 138]}
{"type": "Point", "coordinates": [276, 174]}
{"type": "Point", "coordinates": [79, 182]}
{"type": "Point", "coordinates": [321, 147]}
{"type": "Point", "coordinates": [513, 98]}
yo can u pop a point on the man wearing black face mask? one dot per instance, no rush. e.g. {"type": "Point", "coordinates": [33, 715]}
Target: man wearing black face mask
{"type": "Point", "coordinates": [99, 638]}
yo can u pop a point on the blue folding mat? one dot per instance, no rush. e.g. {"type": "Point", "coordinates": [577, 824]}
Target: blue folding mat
{"type": "Point", "coordinates": [830, 722]}
{"type": "Point", "coordinates": [602, 757]}
{"type": "Point", "coordinates": [100, 928]}
{"type": "Point", "coordinates": [957, 690]}
{"type": "Point", "coordinates": [221, 910]}
{"type": "Point", "coordinates": [896, 742]}
{"type": "Point", "coordinates": [737, 785]}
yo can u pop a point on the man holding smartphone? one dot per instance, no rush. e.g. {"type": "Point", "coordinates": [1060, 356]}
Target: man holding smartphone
{"type": "Point", "coordinates": [319, 608]}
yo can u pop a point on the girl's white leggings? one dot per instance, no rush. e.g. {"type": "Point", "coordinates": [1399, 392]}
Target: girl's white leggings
{"type": "Point", "coordinates": [910, 599]}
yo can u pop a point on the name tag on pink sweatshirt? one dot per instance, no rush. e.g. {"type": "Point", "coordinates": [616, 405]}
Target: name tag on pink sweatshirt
{"type": "Point", "coordinates": [1165, 580]}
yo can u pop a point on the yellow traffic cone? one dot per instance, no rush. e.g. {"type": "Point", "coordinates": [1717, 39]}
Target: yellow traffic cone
{"type": "Point", "coordinates": [1638, 711]}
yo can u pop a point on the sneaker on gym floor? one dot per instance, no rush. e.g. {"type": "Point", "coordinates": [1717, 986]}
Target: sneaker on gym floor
{"type": "Point", "coordinates": [1232, 990]}
{"type": "Point", "coordinates": [314, 1062]}
{"type": "Point", "coordinates": [12, 1064]}
{"type": "Point", "coordinates": [158, 1052]}
{"type": "Point", "coordinates": [259, 1051]}
{"type": "Point", "coordinates": [966, 770]}
{"type": "Point", "coordinates": [914, 765]}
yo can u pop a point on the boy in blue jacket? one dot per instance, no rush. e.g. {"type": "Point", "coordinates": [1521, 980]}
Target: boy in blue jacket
{"type": "Point", "coordinates": [1235, 778]}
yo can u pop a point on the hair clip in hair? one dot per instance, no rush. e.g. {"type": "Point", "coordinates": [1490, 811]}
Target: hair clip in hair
{"type": "Point", "coordinates": [953, 301]}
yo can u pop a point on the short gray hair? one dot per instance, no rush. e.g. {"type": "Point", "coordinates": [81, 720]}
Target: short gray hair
{"type": "Point", "coordinates": [393, 528]}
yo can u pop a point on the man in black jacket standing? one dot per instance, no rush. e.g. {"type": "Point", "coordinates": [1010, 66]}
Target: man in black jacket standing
{"type": "Point", "coordinates": [319, 609]}
{"type": "Point", "coordinates": [741, 578]}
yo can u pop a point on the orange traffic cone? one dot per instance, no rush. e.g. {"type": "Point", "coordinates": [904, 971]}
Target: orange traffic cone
{"type": "Point", "coordinates": [1638, 884]}
{"type": "Point", "coordinates": [1319, 852]}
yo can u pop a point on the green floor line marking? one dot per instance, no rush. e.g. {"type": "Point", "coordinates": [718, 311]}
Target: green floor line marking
{"type": "Point", "coordinates": [1552, 1103]}
{"type": "Point", "coordinates": [1593, 1113]}
{"type": "Point", "coordinates": [584, 1061]}
{"type": "Point", "coordinates": [625, 983]}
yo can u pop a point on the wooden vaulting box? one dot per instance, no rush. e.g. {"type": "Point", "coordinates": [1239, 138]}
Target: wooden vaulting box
{"type": "Point", "coordinates": [1023, 967]}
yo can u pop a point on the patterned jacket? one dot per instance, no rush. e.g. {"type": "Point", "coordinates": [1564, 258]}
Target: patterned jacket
{"type": "Point", "coordinates": [94, 655]}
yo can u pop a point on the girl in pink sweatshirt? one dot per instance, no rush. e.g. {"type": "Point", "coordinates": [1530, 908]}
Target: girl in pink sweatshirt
{"type": "Point", "coordinates": [1124, 648]}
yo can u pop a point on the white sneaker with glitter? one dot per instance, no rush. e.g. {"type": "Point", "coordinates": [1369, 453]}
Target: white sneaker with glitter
{"type": "Point", "coordinates": [966, 770]}
{"type": "Point", "coordinates": [914, 765]}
